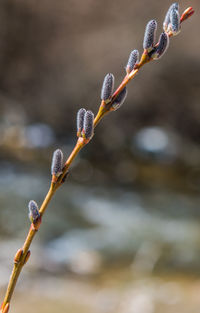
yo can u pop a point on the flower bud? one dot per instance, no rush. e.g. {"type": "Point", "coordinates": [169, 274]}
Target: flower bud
{"type": "Point", "coordinates": [27, 257]}
{"type": "Point", "coordinates": [174, 6]}
{"type": "Point", "coordinates": [174, 22]}
{"type": "Point", "coordinates": [88, 127]}
{"type": "Point", "coordinates": [34, 214]}
{"type": "Point", "coordinates": [107, 87]}
{"type": "Point", "coordinates": [57, 163]}
{"type": "Point", "coordinates": [18, 256]}
{"type": "Point", "coordinates": [162, 46]}
{"type": "Point", "coordinates": [80, 120]}
{"type": "Point", "coordinates": [149, 35]}
{"type": "Point", "coordinates": [133, 59]}
{"type": "Point", "coordinates": [120, 99]}
{"type": "Point", "coordinates": [187, 13]}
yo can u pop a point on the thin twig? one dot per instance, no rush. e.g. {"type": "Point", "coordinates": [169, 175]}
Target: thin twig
{"type": "Point", "coordinates": [23, 254]}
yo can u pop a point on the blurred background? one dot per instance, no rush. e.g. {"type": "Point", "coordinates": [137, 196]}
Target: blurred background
{"type": "Point", "coordinates": [123, 233]}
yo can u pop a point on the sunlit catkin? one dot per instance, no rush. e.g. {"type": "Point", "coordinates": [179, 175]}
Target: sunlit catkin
{"type": "Point", "coordinates": [107, 87]}
{"type": "Point", "coordinates": [88, 127]}
{"type": "Point", "coordinates": [174, 21]}
{"type": "Point", "coordinates": [162, 46]}
{"type": "Point", "coordinates": [167, 16]}
{"type": "Point", "coordinates": [133, 59]}
{"type": "Point", "coordinates": [34, 214]}
{"type": "Point", "coordinates": [149, 35]}
{"type": "Point", "coordinates": [57, 163]}
{"type": "Point", "coordinates": [80, 121]}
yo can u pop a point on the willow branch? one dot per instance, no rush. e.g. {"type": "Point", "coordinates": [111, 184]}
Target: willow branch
{"type": "Point", "coordinates": [23, 254]}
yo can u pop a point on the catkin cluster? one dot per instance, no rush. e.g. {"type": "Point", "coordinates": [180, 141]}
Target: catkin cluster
{"type": "Point", "coordinates": [112, 102]}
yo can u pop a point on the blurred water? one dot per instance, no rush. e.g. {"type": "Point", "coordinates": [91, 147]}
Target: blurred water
{"type": "Point", "coordinates": [104, 222]}
{"type": "Point", "coordinates": [119, 248]}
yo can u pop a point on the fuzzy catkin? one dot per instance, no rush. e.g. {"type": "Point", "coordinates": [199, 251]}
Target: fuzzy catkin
{"type": "Point", "coordinates": [175, 21]}
{"type": "Point", "coordinates": [120, 99]}
{"type": "Point", "coordinates": [88, 126]}
{"type": "Point", "coordinates": [167, 16]}
{"type": "Point", "coordinates": [107, 87]}
{"type": "Point", "coordinates": [162, 46]}
{"type": "Point", "coordinates": [80, 119]}
{"type": "Point", "coordinates": [34, 214]}
{"type": "Point", "coordinates": [57, 163]}
{"type": "Point", "coordinates": [149, 35]}
{"type": "Point", "coordinates": [133, 59]}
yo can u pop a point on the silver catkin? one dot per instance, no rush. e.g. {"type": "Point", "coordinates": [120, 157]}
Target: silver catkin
{"type": "Point", "coordinates": [80, 119]}
{"type": "Point", "coordinates": [176, 5]}
{"type": "Point", "coordinates": [163, 44]}
{"type": "Point", "coordinates": [149, 35]}
{"type": "Point", "coordinates": [107, 87]}
{"type": "Point", "coordinates": [133, 59]}
{"type": "Point", "coordinates": [174, 21]}
{"type": "Point", "coordinates": [57, 163]}
{"type": "Point", "coordinates": [120, 99]}
{"type": "Point", "coordinates": [167, 16]}
{"type": "Point", "coordinates": [88, 127]}
{"type": "Point", "coordinates": [34, 214]}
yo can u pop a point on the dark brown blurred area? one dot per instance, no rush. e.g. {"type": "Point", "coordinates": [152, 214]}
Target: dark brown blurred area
{"type": "Point", "coordinates": [54, 55]}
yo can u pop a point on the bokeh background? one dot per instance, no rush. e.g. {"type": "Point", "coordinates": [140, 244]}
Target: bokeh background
{"type": "Point", "coordinates": [123, 233]}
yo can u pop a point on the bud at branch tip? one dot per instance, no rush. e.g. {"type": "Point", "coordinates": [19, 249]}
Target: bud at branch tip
{"type": "Point", "coordinates": [174, 25]}
{"type": "Point", "coordinates": [167, 20]}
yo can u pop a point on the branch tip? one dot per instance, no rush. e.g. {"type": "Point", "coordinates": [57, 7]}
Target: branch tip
{"type": "Point", "coordinates": [186, 14]}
